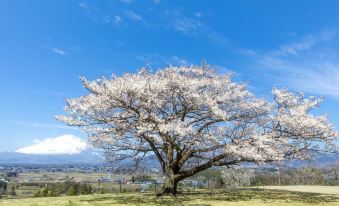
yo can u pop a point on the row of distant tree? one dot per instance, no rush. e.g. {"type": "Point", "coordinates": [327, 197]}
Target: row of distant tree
{"type": "Point", "coordinates": [51, 190]}
{"type": "Point", "coordinates": [68, 188]}
{"type": "Point", "coordinates": [280, 176]}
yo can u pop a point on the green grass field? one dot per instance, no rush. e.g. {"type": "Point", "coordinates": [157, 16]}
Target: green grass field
{"type": "Point", "coordinates": [241, 197]}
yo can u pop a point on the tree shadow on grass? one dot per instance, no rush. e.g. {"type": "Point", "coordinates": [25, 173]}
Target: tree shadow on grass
{"type": "Point", "coordinates": [147, 199]}
{"type": "Point", "coordinates": [268, 195]}
{"type": "Point", "coordinates": [188, 198]}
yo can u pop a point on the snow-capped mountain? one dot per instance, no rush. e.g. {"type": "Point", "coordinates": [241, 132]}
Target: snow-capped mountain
{"type": "Point", "coordinates": [65, 149]}
{"type": "Point", "coordinates": [65, 144]}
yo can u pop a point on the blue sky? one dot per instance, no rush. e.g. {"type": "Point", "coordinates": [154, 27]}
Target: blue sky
{"type": "Point", "coordinates": [46, 45]}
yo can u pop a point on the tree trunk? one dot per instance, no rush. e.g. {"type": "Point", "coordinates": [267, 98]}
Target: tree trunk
{"type": "Point", "coordinates": [170, 184]}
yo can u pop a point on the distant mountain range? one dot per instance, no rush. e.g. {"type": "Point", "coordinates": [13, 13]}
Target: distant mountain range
{"type": "Point", "coordinates": [326, 160]}
{"type": "Point", "coordinates": [84, 157]}
{"type": "Point", "coordinates": [69, 149]}
{"type": "Point", "coordinates": [92, 157]}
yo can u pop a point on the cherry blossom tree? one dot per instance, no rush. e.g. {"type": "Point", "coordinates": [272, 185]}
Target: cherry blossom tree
{"type": "Point", "coordinates": [237, 176]}
{"type": "Point", "coordinates": [192, 118]}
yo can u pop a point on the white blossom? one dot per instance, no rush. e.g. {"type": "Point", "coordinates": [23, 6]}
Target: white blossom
{"type": "Point", "coordinates": [192, 118]}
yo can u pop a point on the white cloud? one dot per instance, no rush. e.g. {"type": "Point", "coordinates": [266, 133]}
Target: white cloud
{"type": "Point", "coordinates": [117, 20]}
{"type": "Point", "coordinates": [43, 125]}
{"type": "Point", "coordinates": [296, 47]}
{"type": "Point", "coordinates": [127, 1]}
{"type": "Point", "coordinates": [309, 65]}
{"type": "Point", "coordinates": [199, 14]}
{"type": "Point", "coordinates": [311, 74]}
{"type": "Point", "coordinates": [322, 80]}
{"type": "Point", "coordinates": [185, 25]}
{"type": "Point", "coordinates": [193, 25]}
{"type": "Point", "coordinates": [306, 43]}
{"type": "Point", "coordinates": [58, 51]}
{"type": "Point", "coordinates": [83, 5]}
{"type": "Point", "coordinates": [160, 60]}
{"type": "Point", "coordinates": [179, 61]}
{"type": "Point", "coordinates": [65, 144]}
{"type": "Point", "coordinates": [88, 8]}
{"type": "Point", "coordinates": [248, 52]}
{"type": "Point", "coordinates": [133, 16]}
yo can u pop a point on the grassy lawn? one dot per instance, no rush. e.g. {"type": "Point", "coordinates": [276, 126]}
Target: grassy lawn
{"type": "Point", "coordinates": [240, 197]}
{"type": "Point", "coordinates": [306, 188]}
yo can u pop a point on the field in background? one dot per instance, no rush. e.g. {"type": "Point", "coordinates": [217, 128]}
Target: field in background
{"type": "Point", "coordinates": [28, 183]}
{"type": "Point", "coordinates": [239, 197]}
{"type": "Point", "coordinates": [63, 176]}
{"type": "Point", "coordinates": [198, 190]}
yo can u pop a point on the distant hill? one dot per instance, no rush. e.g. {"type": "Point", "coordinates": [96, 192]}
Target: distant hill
{"type": "Point", "coordinates": [325, 160]}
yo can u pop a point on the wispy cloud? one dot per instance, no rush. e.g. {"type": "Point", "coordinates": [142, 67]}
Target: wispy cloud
{"type": "Point", "coordinates": [101, 14]}
{"type": "Point", "coordinates": [189, 24]}
{"type": "Point", "coordinates": [58, 51]}
{"type": "Point", "coordinates": [88, 8]}
{"type": "Point", "coordinates": [306, 43]}
{"type": "Point", "coordinates": [193, 25]}
{"type": "Point", "coordinates": [116, 20]}
{"type": "Point", "coordinates": [156, 1]}
{"type": "Point", "coordinates": [179, 61]}
{"type": "Point", "coordinates": [133, 16]}
{"type": "Point", "coordinates": [43, 125]}
{"type": "Point", "coordinates": [199, 14]}
{"type": "Point", "coordinates": [83, 5]}
{"type": "Point", "coordinates": [127, 1]}
{"type": "Point", "coordinates": [186, 25]}
{"type": "Point", "coordinates": [309, 65]}
{"type": "Point", "coordinates": [179, 22]}
{"type": "Point", "coordinates": [161, 60]}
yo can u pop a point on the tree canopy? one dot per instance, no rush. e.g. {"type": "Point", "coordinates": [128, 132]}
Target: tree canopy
{"type": "Point", "coordinates": [193, 118]}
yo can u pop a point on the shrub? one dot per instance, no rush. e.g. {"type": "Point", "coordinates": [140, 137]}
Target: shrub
{"type": "Point", "coordinates": [69, 188]}
{"type": "Point", "coordinates": [3, 185]}
{"type": "Point", "coordinates": [44, 192]}
{"type": "Point", "coordinates": [37, 194]}
{"type": "Point", "coordinates": [2, 192]}
{"type": "Point", "coordinates": [12, 190]}
{"type": "Point", "coordinates": [85, 189]}
{"type": "Point", "coordinates": [72, 191]}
